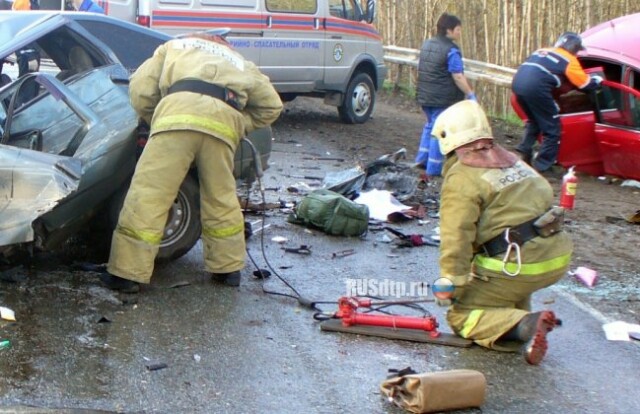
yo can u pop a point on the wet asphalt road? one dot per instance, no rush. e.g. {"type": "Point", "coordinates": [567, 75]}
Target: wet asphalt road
{"type": "Point", "coordinates": [79, 348]}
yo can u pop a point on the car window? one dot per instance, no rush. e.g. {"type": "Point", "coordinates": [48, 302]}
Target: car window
{"type": "Point", "coordinates": [131, 47]}
{"type": "Point", "coordinates": [344, 9]}
{"type": "Point", "coordinates": [61, 52]}
{"type": "Point", "coordinates": [44, 118]}
{"type": "Point", "coordinates": [292, 6]}
{"type": "Point", "coordinates": [573, 101]}
{"type": "Point", "coordinates": [619, 107]}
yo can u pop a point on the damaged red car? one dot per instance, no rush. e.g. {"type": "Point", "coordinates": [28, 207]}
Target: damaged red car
{"type": "Point", "coordinates": [601, 130]}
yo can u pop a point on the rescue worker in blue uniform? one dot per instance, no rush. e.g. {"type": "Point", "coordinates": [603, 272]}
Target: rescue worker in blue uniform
{"type": "Point", "coordinates": [533, 85]}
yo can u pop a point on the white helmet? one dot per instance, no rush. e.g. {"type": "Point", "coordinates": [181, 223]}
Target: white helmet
{"type": "Point", "coordinates": [461, 124]}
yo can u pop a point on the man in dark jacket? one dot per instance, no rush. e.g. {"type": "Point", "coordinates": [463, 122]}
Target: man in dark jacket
{"type": "Point", "coordinates": [533, 85]}
{"type": "Point", "coordinates": [441, 83]}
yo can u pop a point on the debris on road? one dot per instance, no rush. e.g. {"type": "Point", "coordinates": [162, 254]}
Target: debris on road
{"type": "Point", "coordinates": [261, 274]}
{"type": "Point", "coordinates": [332, 213]}
{"type": "Point", "coordinates": [7, 314]}
{"type": "Point", "coordinates": [303, 249]}
{"type": "Point", "coordinates": [5, 344]}
{"type": "Point", "coordinates": [585, 275]}
{"type": "Point", "coordinates": [155, 365]}
{"type": "Point", "coordinates": [381, 204]}
{"type": "Point", "coordinates": [323, 159]}
{"type": "Point", "coordinates": [342, 253]}
{"type": "Point", "coordinates": [633, 218]}
{"type": "Point", "coordinates": [620, 331]}
{"type": "Point", "coordinates": [300, 188]}
{"type": "Point", "coordinates": [630, 183]}
{"type": "Point", "coordinates": [349, 183]}
{"type": "Point", "coordinates": [279, 239]}
{"type": "Point", "coordinates": [411, 240]}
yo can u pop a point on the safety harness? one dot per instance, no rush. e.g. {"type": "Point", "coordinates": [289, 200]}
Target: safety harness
{"type": "Point", "coordinates": [519, 234]}
{"type": "Point", "coordinates": [510, 241]}
{"type": "Point", "coordinates": [226, 95]}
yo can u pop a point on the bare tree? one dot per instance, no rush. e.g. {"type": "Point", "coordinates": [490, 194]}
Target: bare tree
{"type": "Point", "coordinates": [503, 32]}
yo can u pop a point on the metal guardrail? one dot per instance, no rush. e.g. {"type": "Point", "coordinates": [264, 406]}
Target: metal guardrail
{"type": "Point", "coordinates": [474, 69]}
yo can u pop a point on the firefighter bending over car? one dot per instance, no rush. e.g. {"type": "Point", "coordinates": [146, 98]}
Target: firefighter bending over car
{"type": "Point", "coordinates": [200, 97]}
{"type": "Point", "coordinates": [500, 238]}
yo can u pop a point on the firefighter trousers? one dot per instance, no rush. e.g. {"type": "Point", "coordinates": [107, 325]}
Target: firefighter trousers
{"type": "Point", "coordinates": [161, 169]}
{"type": "Point", "coordinates": [493, 303]}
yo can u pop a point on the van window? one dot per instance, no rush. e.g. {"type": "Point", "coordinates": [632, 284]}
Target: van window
{"type": "Point", "coordinates": [292, 6]}
{"type": "Point", "coordinates": [236, 3]}
{"type": "Point", "coordinates": [343, 9]}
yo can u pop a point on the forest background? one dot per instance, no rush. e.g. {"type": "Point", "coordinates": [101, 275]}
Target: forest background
{"type": "Point", "coordinates": [502, 32]}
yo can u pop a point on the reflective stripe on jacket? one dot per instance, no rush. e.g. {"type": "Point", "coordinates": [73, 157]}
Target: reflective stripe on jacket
{"type": "Point", "coordinates": [478, 204]}
{"type": "Point", "coordinates": [211, 62]}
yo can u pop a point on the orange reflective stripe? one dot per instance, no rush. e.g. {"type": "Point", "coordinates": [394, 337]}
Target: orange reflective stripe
{"type": "Point", "coordinates": [574, 72]}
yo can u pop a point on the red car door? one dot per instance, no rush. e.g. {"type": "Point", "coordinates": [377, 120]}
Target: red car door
{"type": "Point", "coordinates": [578, 145]}
{"type": "Point", "coordinates": [617, 130]}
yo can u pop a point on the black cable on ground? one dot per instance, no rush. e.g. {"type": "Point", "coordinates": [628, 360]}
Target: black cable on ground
{"type": "Point", "coordinates": [307, 303]}
{"type": "Point", "coordinates": [303, 301]}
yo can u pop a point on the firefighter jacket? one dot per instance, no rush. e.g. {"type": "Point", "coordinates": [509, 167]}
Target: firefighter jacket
{"type": "Point", "coordinates": [547, 69]}
{"type": "Point", "coordinates": [193, 58]}
{"type": "Point", "coordinates": [436, 87]}
{"type": "Point", "coordinates": [478, 204]}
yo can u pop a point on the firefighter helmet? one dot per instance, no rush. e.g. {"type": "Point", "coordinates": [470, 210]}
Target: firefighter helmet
{"type": "Point", "coordinates": [461, 124]}
{"type": "Point", "coordinates": [571, 42]}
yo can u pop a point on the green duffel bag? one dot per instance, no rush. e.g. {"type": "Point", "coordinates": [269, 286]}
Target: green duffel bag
{"type": "Point", "coordinates": [332, 213]}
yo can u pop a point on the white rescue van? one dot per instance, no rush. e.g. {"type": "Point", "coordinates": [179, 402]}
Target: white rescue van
{"type": "Point", "coordinates": [326, 48]}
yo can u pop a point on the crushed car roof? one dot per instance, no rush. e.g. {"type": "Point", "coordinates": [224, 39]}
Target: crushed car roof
{"type": "Point", "coordinates": [616, 39]}
{"type": "Point", "coordinates": [20, 28]}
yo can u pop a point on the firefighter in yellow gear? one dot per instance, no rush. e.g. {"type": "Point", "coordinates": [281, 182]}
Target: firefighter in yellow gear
{"type": "Point", "coordinates": [501, 240]}
{"type": "Point", "coordinates": [200, 98]}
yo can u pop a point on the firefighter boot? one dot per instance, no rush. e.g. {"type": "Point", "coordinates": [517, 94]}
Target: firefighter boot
{"type": "Point", "coordinates": [117, 283]}
{"type": "Point", "coordinates": [533, 330]}
{"type": "Point", "coordinates": [229, 279]}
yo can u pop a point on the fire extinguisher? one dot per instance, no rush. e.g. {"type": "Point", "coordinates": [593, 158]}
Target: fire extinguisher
{"type": "Point", "coordinates": [568, 191]}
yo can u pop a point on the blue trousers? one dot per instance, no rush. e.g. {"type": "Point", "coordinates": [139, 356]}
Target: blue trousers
{"type": "Point", "coordinates": [429, 153]}
{"type": "Point", "coordinates": [542, 113]}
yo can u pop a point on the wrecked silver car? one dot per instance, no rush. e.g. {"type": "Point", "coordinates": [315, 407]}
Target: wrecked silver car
{"type": "Point", "coordinates": [69, 139]}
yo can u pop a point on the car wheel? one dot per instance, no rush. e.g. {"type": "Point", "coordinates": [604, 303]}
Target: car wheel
{"type": "Point", "coordinates": [183, 227]}
{"type": "Point", "coordinates": [359, 100]}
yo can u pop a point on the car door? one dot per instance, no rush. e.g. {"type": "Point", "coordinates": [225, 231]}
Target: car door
{"type": "Point", "coordinates": [291, 52]}
{"type": "Point", "coordinates": [617, 130]}
{"type": "Point", "coordinates": [579, 147]}
{"type": "Point", "coordinates": [345, 41]}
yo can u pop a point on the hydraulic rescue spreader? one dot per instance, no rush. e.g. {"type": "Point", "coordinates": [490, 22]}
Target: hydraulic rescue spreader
{"type": "Point", "coordinates": [348, 313]}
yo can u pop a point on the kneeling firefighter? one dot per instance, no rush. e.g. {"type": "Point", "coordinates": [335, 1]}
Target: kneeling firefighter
{"type": "Point", "coordinates": [501, 240]}
{"type": "Point", "coordinates": [200, 97]}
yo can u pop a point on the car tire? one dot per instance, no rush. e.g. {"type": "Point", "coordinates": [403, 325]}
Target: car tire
{"type": "Point", "coordinates": [359, 100]}
{"type": "Point", "coordinates": [183, 227]}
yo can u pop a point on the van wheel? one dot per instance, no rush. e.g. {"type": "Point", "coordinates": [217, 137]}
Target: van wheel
{"type": "Point", "coordinates": [359, 100]}
{"type": "Point", "coordinates": [183, 227]}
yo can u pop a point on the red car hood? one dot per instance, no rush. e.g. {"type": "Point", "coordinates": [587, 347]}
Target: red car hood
{"type": "Point", "coordinates": [617, 39]}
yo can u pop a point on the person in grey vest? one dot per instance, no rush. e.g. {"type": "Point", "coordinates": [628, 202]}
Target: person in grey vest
{"type": "Point", "coordinates": [441, 83]}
